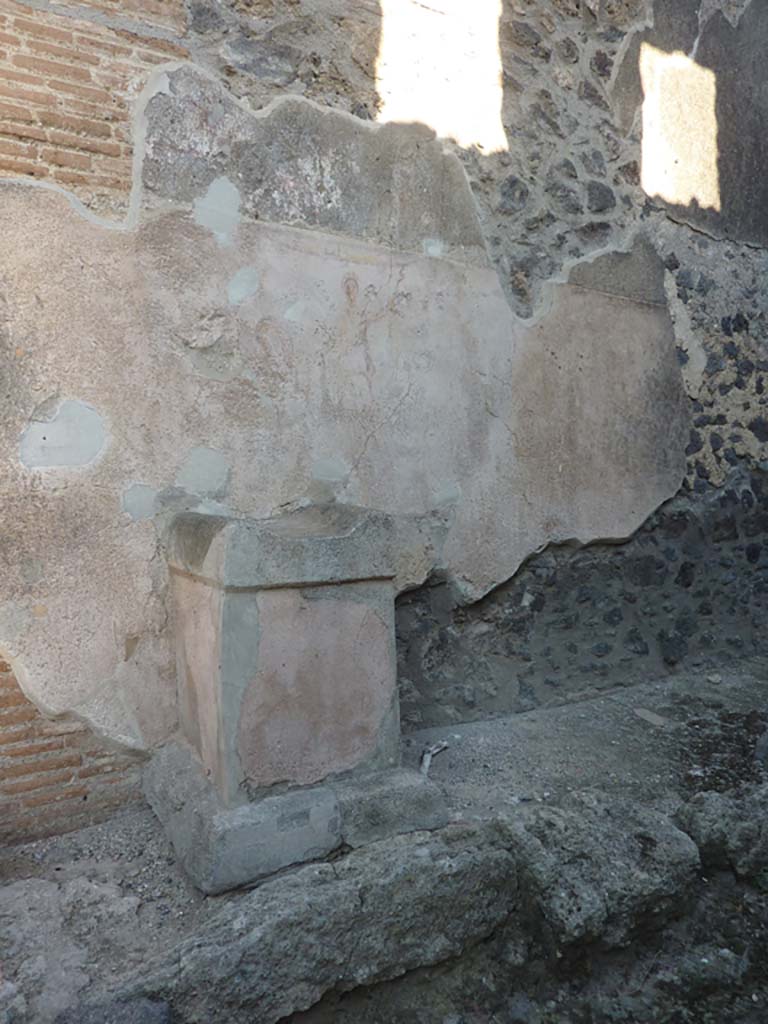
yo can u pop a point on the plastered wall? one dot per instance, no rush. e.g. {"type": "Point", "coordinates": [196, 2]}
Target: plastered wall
{"type": "Point", "coordinates": [284, 302]}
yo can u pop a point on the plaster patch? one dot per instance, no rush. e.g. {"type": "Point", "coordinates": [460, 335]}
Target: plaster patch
{"type": "Point", "coordinates": [330, 470]}
{"type": "Point", "coordinates": [243, 285]}
{"type": "Point", "coordinates": [329, 477]}
{"type": "Point", "coordinates": [213, 508]}
{"type": "Point", "coordinates": [219, 209]}
{"type": "Point", "coordinates": [686, 339]}
{"type": "Point", "coordinates": [14, 619]}
{"type": "Point", "coordinates": [32, 571]}
{"type": "Point", "coordinates": [74, 436]}
{"type": "Point", "coordinates": [205, 471]}
{"type": "Point", "coordinates": [115, 719]}
{"type": "Point", "coordinates": [449, 494]}
{"type": "Point", "coordinates": [296, 310]}
{"type": "Point", "coordinates": [139, 501]}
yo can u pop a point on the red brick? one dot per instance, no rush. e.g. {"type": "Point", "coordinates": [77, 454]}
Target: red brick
{"type": "Point", "coordinates": [39, 766]}
{"type": "Point", "coordinates": [33, 96]}
{"type": "Point", "coordinates": [41, 30]}
{"type": "Point", "coordinates": [83, 143]}
{"type": "Point", "coordinates": [56, 796]}
{"type": "Point", "coordinates": [17, 735]}
{"type": "Point", "coordinates": [17, 113]}
{"type": "Point", "coordinates": [85, 92]}
{"type": "Point", "coordinates": [12, 75]}
{"type": "Point", "coordinates": [101, 46]}
{"type": "Point", "coordinates": [23, 131]}
{"type": "Point", "coordinates": [30, 749]}
{"type": "Point", "coordinates": [42, 781]}
{"type": "Point", "coordinates": [26, 714]}
{"type": "Point", "coordinates": [93, 181]}
{"type": "Point", "coordinates": [13, 698]}
{"type": "Point", "coordinates": [60, 727]}
{"type": "Point", "coordinates": [120, 166]}
{"type": "Point", "coordinates": [18, 151]}
{"type": "Point", "coordinates": [117, 114]}
{"type": "Point", "coordinates": [51, 67]}
{"type": "Point", "coordinates": [57, 52]}
{"type": "Point", "coordinates": [115, 80]}
{"type": "Point", "coordinates": [160, 50]}
{"type": "Point", "coordinates": [64, 158]}
{"type": "Point", "coordinates": [78, 125]}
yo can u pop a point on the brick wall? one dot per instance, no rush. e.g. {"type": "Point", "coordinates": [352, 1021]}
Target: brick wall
{"type": "Point", "coordinates": [168, 13]}
{"type": "Point", "coordinates": [67, 85]}
{"type": "Point", "coordinates": [55, 775]}
{"type": "Point", "coordinates": [66, 92]}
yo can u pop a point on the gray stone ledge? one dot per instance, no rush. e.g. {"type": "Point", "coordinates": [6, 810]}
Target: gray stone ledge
{"type": "Point", "coordinates": [222, 848]}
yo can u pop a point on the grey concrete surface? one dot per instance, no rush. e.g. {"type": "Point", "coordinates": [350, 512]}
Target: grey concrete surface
{"type": "Point", "coordinates": [627, 742]}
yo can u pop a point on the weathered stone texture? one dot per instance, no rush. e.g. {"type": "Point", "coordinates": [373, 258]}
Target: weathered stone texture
{"type": "Point", "coordinates": [221, 847]}
{"type": "Point", "coordinates": [567, 186]}
{"type": "Point", "coordinates": [730, 831]}
{"type": "Point", "coordinates": [321, 927]}
{"type": "Point", "coordinates": [593, 871]}
{"type": "Point", "coordinates": [689, 590]}
{"type": "Point", "coordinates": [299, 164]}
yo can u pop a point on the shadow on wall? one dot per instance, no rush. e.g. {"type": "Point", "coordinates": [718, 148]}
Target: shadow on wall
{"type": "Point", "coordinates": [699, 93]}
{"type": "Point", "coordinates": [704, 96]}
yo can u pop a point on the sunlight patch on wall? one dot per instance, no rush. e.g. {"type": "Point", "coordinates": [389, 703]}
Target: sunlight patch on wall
{"type": "Point", "coordinates": [439, 63]}
{"type": "Point", "coordinates": [679, 129]}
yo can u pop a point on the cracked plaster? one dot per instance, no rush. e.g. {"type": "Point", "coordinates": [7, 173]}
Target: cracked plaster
{"type": "Point", "coordinates": [362, 366]}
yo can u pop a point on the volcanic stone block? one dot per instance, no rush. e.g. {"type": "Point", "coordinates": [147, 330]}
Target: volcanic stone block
{"type": "Point", "coordinates": [223, 847]}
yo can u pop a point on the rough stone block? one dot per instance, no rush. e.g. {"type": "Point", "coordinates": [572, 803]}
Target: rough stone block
{"type": "Point", "coordinates": [320, 544]}
{"type": "Point", "coordinates": [221, 848]}
{"type": "Point", "coordinates": [388, 803]}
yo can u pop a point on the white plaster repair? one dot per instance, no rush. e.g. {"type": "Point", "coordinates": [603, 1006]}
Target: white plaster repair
{"type": "Point", "coordinates": [295, 311]}
{"type": "Point", "coordinates": [219, 209]}
{"type": "Point", "coordinates": [139, 501]}
{"type": "Point", "coordinates": [74, 436]}
{"type": "Point", "coordinates": [243, 285]}
{"type": "Point", "coordinates": [204, 471]}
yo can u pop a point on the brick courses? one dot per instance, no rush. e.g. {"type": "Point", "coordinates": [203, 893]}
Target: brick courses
{"type": "Point", "coordinates": [67, 86]}
{"type": "Point", "coordinates": [55, 775]}
{"type": "Point", "coordinates": [66, 91]}
{"type": "Point", "coordinates": [167, 13]}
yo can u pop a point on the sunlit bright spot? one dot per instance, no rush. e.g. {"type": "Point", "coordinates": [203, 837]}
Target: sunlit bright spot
{"type": "Point", "coordinates": [439, 63]}
{"type": "Point", "coordinates": [679, 129]}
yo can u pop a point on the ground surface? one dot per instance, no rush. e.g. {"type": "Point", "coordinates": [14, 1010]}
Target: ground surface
{"type": "Point", "coordinates": [78, 912]}
{"type": "Point", "coordinates": [653, 742]}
